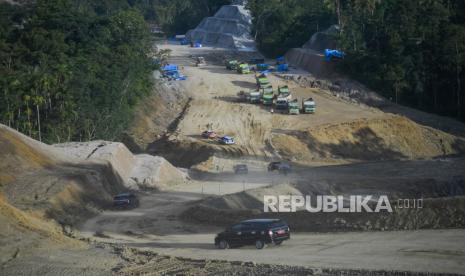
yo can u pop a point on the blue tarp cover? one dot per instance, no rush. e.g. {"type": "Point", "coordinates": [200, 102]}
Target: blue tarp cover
{"type": "Point", "coordinates": [170, 67]}
{"type": "Point", "coordinates": [329, 53]}
{"type": "Point", "coordinates": [282, 67]}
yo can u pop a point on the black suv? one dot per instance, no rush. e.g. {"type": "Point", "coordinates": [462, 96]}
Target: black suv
{"type": "Point", "coordinates": [241, 169]}
{"type": "Point", "coordinates": [126, 200]}
{"type": "Point", "coordinates": [258, 232]}
{"type": "Point", "coordinates": [281, 167]}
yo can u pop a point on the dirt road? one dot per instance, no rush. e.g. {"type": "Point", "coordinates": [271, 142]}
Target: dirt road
{"type": "Point", "coordinates": [155, 227]}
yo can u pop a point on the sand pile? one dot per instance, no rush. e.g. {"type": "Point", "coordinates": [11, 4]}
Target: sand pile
{"type": "Point", "coordinates": [136, 171]}
{"type": "Point", "coordinates": [390, 138]}
{"type": "Point", "coordinates": [229, 28]}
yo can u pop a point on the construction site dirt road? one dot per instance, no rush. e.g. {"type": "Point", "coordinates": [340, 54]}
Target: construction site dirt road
{"type": "Point", "coordinates": [347, 146]}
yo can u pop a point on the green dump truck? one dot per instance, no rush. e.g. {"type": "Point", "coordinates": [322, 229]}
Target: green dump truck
{"type": "Point", "coordinates": [262, 81]}
{"type": "Point", "coordinates": [283, 92]}
{"type": "Point", "coordinates": [255, 96]}
{"type": "Point", "coordinates": [293, 107]}
{"type": "Point", "coordinates": [231, 65]}
{"type": "Point", "coordinates": [267, 95]}
{"type": "Point", "coordinates": [252, 96]}
{"type": "Point", "coordinates": [308, 106]}
{"type": "Point", "coordinates": [243, 68]}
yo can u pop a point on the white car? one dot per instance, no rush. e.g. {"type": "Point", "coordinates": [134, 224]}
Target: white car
{"type": "Point", "coordinates": [227, 140]}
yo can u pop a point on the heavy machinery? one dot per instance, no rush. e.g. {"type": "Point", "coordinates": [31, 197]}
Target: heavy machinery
{"type": "Point", "coordinates": [252, 96]}
{"type": "Point", "coordinates": [243, 68]}
{"type": "Point", "coordinates": [308, 106]}
{"type": "Point", "coordinates": [293, 107]}
{"type": "Point", "coordinates": [331, 54]}
{"type": "Point", "coordinates": [255, 96]}
{"type": "Point", "coordinates": [281, 103]}
{"type": "Point", "coordinates": [200, 61]}
{"type": "Point", "coordinates": [268, 96]}
{"type": "Point", "coordinates": [283, 92]}
{"type": "Point", "coordinates": [231, 65]}
{"type": "Point", "coordinates": [262, 81]}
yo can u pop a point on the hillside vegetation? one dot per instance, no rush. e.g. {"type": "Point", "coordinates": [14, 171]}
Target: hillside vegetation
{"type": "Point", "coordinates": [413, 52]}
{"type": "Point", "coordinates": [74, 70]}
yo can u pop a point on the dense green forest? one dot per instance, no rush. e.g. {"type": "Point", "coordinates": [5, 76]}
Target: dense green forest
{"type": "Point", "coordinates": [74, 70]}
{"type": "Point", "coordinates": [412, 52]}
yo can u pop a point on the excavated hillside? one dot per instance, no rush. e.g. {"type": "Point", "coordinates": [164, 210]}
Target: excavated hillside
{"type": "Point", "coordinates": [389, 138]}
{"type": "Point", "coordinates": [230, 27]}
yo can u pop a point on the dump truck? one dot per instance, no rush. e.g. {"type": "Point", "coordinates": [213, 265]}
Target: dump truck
{"type": "Point", "coordinates": [262, 81]}
{"type": "Point", "coordinates": [255, 96]}
{"type": "Point", "coordinates": [200, 61]}
{"type": "Point", "coordinates": [281, 103]}
{"type": "Point", "coordinates": [283, 92]}
{"type": "Point", "coordinates": [308, 106]}
{"type": "Point", "coordinates": [268, 96]}
{"type": "Point", "coordinates": [243, 68]}
{"type": "Point", "coordinates": [293, 107]}
{"type": "Point", "coordinates": [231, 64]}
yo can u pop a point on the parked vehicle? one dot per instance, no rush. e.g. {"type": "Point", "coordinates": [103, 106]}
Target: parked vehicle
{"type": "Point", "coordinates": [243, 68]}
{"type": "Point", "coordinates": [200, 61]}
{"type": "Point", "coordinates": [267, 96]}
{"type": "Point", "coordinates": [241, 169]}
{"type": "Point", "coordinates": [231, 65]}
{"type": "Point", "coordinates": [293, 107]}
{"type": "Point", "coordinates": [209, 134]}
{"type": "Point", "coordinates": [281, 103]}
{"type": "Point", "coordinates": [255, 97]}
{"type": "Point", "coordinates": [262, 81]}
{"type": "Point", "coordinates": [258, 232]}
{"type": "Point", "coordinates": [126, 200]}
{"type": "Point", "coordinates": [227, 140]}
{"type": "Point", "coordinates": [308, 106]}
{"type": "Point", "coordinates": [281, 167]}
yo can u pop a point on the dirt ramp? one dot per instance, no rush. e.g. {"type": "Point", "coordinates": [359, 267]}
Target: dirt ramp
{"type": "Point", "coordinates": [390, 138]}
{"type": "Point", "coordinates": [154, 172]}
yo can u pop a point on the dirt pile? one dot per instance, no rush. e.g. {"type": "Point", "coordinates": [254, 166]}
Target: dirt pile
{"type": "Point", "coordinates": [136, 171]}
{"type": "Point", "coordinates": [389, 138]}
{"type": "Point", "coordinates": [229, 28]}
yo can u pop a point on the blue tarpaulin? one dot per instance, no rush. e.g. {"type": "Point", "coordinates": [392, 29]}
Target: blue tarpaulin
{"type": "Point", "coordinates": [282, 67]}
{"type": "Point", "coordinates": [170, 67]}
{"type": "Point", "coordinates": [170, 71]}
{"type": "Point", "coordinates": [262, 67]}
{"type": "Point", "coordinates": [329, 53]}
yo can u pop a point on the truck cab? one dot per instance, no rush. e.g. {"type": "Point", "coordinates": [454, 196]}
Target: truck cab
{"type": "Point", "coordinates": [308, 106]}
{"type": "Point", "coordinates": [293, 107]}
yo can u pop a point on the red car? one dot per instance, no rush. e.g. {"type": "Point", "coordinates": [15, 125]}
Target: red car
{"type": "Point", "coordinates": [209, 134]}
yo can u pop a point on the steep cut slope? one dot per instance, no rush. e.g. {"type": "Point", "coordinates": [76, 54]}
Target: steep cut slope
{"type": "Point", "coordinates": [229, 28]}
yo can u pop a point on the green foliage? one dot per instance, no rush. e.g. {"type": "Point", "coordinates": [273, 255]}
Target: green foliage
{"type": "Point", "coordinates": [281, 25]}
{"type": "Point", "coordinates": [178, 16]}
{"type": "Point", "coordinates": [410, 51]}
{"type": "Point", "coordinates": [69, 74]}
